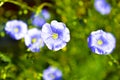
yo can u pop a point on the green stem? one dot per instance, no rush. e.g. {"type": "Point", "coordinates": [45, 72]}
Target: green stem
{"type": "Point", "coordinates": [24, 6]}
{"type": "Point", "coordinates": [41, 6]}
{"type": "Point", "coordinates": [19, 4]}
{"type": "Point", "coordinates": [114, 60]}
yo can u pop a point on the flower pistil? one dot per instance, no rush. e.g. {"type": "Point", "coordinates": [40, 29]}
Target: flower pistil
{"type": "Point", "coordinates": [99, 42]}
{"type": "Point", "coordinates": [54, 35]}
{"type": "Point", "coordinates": [16, 30]}
{"type": "Point", "coordinates": [34, 40]}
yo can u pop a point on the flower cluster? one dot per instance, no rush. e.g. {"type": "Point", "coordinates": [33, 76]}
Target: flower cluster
{"type": "Point", "coordinates": [17, 29]}
{"type": "Point", "coordinates": [102, 6]}
{"type": "Point", "coordinates": [52, 73]}
{"type": "Point", "coordinates": [54, 35]}
{"type": "Point", "coordinates": [101, 42]}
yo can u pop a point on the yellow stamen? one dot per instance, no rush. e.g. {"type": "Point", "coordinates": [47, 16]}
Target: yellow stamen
{"type": "Point", "coordinates": [99, 42]}
{"type": "Point", "coordinates": [34, 40]}
{"type": "Point", "coordinates": [16, 30]}
{"type": "Point", "coordinates": [54, 35]}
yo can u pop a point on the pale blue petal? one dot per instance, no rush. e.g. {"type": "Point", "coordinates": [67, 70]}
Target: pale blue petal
{"type": "Point", "coordinates": [54, 71]}
{"type": "Point", "coordinates": [102, 6]}
{"type": "Point", "coordinates": [66, 35]}
{"type": "Point", "coordinates": [46, 14]}
{"type": "Point", "coordinates": [27, 40]}
{"type": "Point", "coordinates": [57, 25]}
{"type": "Point", "coordinates": [38, 21]}
{"type": "Point", "coordinates": [46, 32]}
{"type": "Point", "coordinates": [111, 43]}
{"type": "Point", "coordinates": [55, 44]}
{"type": "Point", "coordinates": [47, 29]}
{"type": "Point", "coordinates": [58, 44]}
{"type": "Point", "coordinates": [49, 42]}
{"type": "Point", "coordinates": [34, 31]}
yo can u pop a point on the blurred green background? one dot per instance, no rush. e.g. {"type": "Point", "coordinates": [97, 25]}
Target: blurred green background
{"type": "Point", "coordinates": [76, 61]}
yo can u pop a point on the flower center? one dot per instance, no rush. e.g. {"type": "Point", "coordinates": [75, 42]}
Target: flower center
{"type": "Point", "coordinates": [16, 30]}
{"type": "Point", "coordinates": [99, 42]}
{"type": "Point", "coordinates": [34, 40]}
{"type": "Point", "coordinates": [54, 35]}
{"type": "Point", "coordinates": [51, 76]}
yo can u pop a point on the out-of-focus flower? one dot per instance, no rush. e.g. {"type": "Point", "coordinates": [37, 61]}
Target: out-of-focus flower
{"type": "Point", "coordinates": [52, 73]}
{"type": "Point", "coordinates": [102, 6]}
{"type": "Point", "coordinates": [40, 19]}
{"type": "Point", "coordinates": [101, 42]}
{"type": "Point", "coordinates": [16, 29]}
{"type": "Point", "coordinates": [55, 35]}
{"type": "Point", "coordinates": [33, 40]}
{"type": "Point", "coordinates": [45, 14]}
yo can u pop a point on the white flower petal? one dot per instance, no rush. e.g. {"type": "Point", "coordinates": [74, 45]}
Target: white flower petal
{"type": "Point", "coordinates": [66, 35]}
{"type": "Point", "coordinates": [58, 25]}
{"type": "Point", "coordinates": [46, 28]}
{"type": "Point", "coordinates": [49, 43]}
{"type": "Point", "coordinates": [59, 44]}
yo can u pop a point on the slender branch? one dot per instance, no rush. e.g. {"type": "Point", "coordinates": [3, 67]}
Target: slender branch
{"type": "Point", "coordinates": [41, 6]}
{"type": "Point", "coordinates": [114, 60]}
{"type": "Point", "coordinates": [20, 4]}
{"type": "Point", "coordinates": [27, 7]}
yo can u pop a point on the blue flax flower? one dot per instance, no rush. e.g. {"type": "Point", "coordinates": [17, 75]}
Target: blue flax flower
{"type": "Point", "coordinates": [16, 29]}
{"type": "Point", "coordinates": [45, 14]}
{"type": "Point", "coordinates": [52, 73]}
{"type": "Point", "coordinates": [102, 6]}
{"type": "Point", "coordinates": [101, 42]}
{"type": "Point", "coordinates": [33, 40]}
{"type": "Point", "coordinates": [40, 19]}
{"type": "Point", "coordinates": [55, 35]}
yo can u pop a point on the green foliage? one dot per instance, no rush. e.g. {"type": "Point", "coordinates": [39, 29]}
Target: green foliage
{"type": "Point", "coordinates": [76, 61]}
